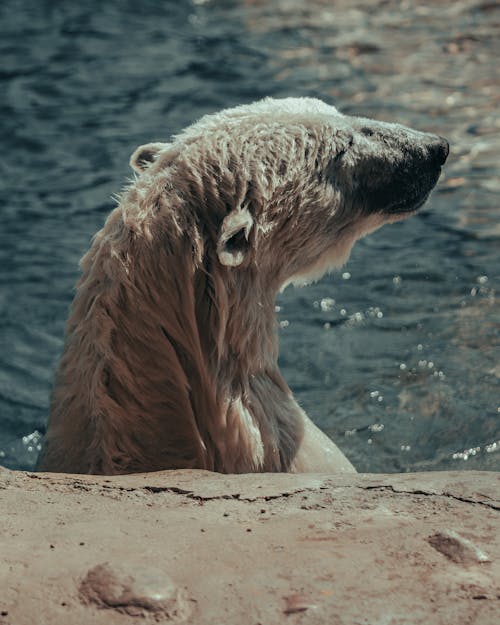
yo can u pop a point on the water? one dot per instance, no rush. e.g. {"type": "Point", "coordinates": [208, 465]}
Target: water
{"type": "Point", "coordinates": [396, 356]}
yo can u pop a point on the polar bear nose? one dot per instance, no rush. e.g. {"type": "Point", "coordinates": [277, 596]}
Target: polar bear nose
{"type": "Point", "coordinates": [440, 149]}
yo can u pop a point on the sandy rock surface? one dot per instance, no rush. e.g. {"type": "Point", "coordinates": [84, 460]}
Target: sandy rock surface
{"type": "Point", "coordinates": [197, 547]}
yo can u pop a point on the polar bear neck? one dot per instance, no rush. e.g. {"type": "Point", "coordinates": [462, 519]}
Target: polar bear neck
{"type": "Point", "coordinates": [257, 424]}
{"type": "Point", "coordinates": [167, 365]}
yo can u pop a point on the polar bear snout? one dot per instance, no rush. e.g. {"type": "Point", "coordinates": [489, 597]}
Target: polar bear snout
{"type": "Point", "coordinates": [439, 149]}
{"type": "Point", "coordinates": [416, 181]}
{"type": "Point", "coordinates": [401, 168]}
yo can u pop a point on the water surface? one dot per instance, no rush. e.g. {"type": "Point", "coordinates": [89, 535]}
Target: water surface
{"type": "Point", "coordinates": [396, 356]}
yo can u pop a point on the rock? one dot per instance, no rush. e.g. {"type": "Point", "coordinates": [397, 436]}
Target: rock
{"type": "Point", "coordinates": [134, 590]}
{"type": "Point", "coordinates": [457, 548]}
{"type": "Point", "coordinates": [174, 547]}
{"type": "Point", "coordinates": [297, 603]}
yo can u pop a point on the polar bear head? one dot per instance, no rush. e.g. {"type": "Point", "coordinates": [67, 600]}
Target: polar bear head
{"type": "Point", "coordinates": [291, 184]}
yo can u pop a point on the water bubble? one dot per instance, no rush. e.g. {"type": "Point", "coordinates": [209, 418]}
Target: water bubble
{"type": "Point", "coordinates": [397, 280]}
{"type": "Point", "coordinates": [326, 304]}
{"type": "Point", "coordinates": [376, 427]}
{"type": "Point", "coordinates": [284, 324]}
{"type": "Point", "coordinates": [420, 347]}
{"type": "Point", "coordinates": [327, 325]}
{"type": "Point", "coordinates": [491, 447]}
{"type": "Point", "coordinates": [482, 279]}
{"type": "Point", "coordinates": [466, 453]}
{"type": "Point", "coordinates": [357, 317]}
{"type": "Point", "coordinates": [277, 309]}
{"type": "Point", "coordinates": [405, 447]}
{"type": "Point", "coordinates": [32, 441]}
{"type": "Point", "coordinates": [343, 312]}
{"type": "Point", "coordinates": [430, 364]}
{"type": "Point", "coordinates": [374, 394]}
{"type": "Point", "coordinates": [346, 275]}
{"type": "Point", "coordinates": [369, 441]}
{"type": "Point", "coordinates": [473, 292]}
{"type": "Point", "coordinates": [402, 366]}
{"type": "Point", "coordinates": [374, 311]}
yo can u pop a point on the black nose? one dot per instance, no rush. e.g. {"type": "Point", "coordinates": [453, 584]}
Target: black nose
{"type": "Point", "coordinates": [440, 150]}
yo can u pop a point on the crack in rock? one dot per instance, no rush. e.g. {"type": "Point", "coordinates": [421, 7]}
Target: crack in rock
{"type": "Point", "coordinates": [232, 496]}
{"type": "Point", "coordinates": [190, 494]}
{"type": "Point", "coordinates": [391, 488]}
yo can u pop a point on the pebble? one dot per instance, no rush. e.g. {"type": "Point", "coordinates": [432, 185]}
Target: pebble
{"type": "Point", "coordinates": [457, 548]}
{"type": "Point", "coordinates": [297, 603]}
{"type": "Point", "coordinates": [134, 590]}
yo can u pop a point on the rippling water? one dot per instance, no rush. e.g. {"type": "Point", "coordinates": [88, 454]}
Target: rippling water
{"type": "Point", "coordinates": [397, 357]}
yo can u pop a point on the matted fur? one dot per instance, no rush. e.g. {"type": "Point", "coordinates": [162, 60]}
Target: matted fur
{"type": "Point", "coordinates": [171, 350]}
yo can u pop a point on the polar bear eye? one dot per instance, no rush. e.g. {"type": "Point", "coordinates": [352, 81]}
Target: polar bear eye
{"type": "Point", "coordinates": [368, 132]}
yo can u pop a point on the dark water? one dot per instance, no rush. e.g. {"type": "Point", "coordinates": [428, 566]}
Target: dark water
{"type": "Point", "coordinates": [397, 357]}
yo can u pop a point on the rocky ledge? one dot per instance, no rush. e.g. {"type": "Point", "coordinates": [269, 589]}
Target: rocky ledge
{"type": "Point", "coordinates": [202, 548]}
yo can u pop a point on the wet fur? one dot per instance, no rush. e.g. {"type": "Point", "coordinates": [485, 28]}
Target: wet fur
{"type": "Point", "coordinates": [171, 350]}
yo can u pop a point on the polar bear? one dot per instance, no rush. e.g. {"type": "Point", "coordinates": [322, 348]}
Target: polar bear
{"type": "Point", "coordinates": [171, 349]}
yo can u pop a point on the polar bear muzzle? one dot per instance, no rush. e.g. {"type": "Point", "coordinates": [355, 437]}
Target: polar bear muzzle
{"type": "Point", "coordinates": [399, 167]}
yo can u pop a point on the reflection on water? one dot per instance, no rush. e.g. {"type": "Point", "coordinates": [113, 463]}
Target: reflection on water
{"type": "Point", "coordinates": [397, 356]}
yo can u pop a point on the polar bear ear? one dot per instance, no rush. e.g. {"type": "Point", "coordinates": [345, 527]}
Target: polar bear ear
{"type": "Point", "coordinates": [145, 154]}
{"type": "Point", "coordinates": [234, 243]}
